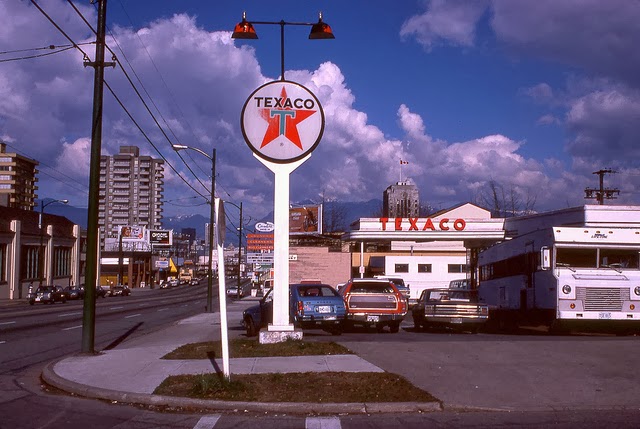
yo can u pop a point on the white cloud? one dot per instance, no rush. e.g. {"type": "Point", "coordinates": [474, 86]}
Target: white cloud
{"type": "Point", "coordinates": [450, 21]}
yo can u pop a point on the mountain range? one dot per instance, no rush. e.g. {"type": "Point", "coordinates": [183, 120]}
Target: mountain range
{"type": "Point", "coordinates": [337, 215]}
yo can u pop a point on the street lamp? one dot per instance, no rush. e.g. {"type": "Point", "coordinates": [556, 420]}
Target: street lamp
{"type": "Point", "coordinates": [40, 253]}
{"type": "Point", "coordinates": [244, 30]}
{"type": "Point", "coordinates": [239, 246]}
{"type": "Point", "coordinates": [212, 216]}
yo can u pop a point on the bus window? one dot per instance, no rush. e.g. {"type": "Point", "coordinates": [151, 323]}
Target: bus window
{"type": "Point", "coordinates": [574, 257]}
{"type": "Point", "coordinates": [621, 258]}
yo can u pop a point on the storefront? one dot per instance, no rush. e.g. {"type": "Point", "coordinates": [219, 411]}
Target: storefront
{"type": "Point", "coordinates": [426, 252]}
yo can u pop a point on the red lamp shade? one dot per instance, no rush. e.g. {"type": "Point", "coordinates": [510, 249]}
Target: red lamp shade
{"type": "Point", "coordinates": [321, 30]}
{"type": "Point", "coordinates": [244, 29]}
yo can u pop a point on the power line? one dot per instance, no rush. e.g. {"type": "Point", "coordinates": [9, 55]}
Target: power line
{"type": "Point", "coordinates": [29, 57]}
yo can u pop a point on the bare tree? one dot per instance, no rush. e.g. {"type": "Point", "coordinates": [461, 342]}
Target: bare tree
{"type": "Point", "coordinates": [506, 203]}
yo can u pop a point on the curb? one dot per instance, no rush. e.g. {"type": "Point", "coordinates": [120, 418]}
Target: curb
{"type": "Point", "coordinates": [52, 378]}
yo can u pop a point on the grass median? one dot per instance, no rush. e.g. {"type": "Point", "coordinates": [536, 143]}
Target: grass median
{"type": "Point", "coordinates": [316, 387]}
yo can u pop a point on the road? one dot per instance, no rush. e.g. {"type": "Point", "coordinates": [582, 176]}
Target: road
{"type": "Point", "coordinates": [546, 370]}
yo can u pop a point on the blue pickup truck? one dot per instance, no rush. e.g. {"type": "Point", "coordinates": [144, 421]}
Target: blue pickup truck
{"type": "Point", "coordinates": [311, 305]}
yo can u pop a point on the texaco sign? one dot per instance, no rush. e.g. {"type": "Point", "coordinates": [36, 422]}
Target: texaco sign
{"type": "Point", "coordinates": [282, 121]}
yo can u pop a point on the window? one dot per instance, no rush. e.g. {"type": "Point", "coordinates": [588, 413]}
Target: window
{"type": "Point", "coordinates": [424, 268]}
{"type": "Point", "coordinates": [61, 262]}
{"type": "Point", "coordinates": [457, 268]}
{"type": "Point", "coordinates": [402, 268]}
{"type": "Point", "coordinates": [3, 262]}
{"type": "Point", "coordinates": [29, 263]}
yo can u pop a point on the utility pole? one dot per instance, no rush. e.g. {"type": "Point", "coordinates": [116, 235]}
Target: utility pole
{"type": "Point", "coordinates": [91, 273]}
{"type": "Point", "coordinates": [602, 193]}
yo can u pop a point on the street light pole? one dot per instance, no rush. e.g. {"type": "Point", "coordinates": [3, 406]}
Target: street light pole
{"type": "Point", "coordinates": [212, 216]}
{"type": "Point", "coordinates": [40, 249]}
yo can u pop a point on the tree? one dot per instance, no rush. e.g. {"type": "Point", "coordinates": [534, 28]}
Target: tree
{"type": "Point", "coordinates": [509, 202]}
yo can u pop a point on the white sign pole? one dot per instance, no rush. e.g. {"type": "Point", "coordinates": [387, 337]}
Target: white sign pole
{"type": "Point", "coordinates": [220, 227]}
{"type": "Point", "coordinates": [281, 242]}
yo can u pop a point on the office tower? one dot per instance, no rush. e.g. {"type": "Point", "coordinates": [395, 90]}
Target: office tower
{"type": "Point", "coordinates": [17, 180]}
{"type": "Point", "coordinates": [131, 189]}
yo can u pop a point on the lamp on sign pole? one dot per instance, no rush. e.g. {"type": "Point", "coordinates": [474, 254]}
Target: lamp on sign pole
{"type": "Point", "coordinates": [244, 30]}
{"type": "Point", "coordinates": [40, 253]}
{"type": "Point", "coordinates": [212, 216]}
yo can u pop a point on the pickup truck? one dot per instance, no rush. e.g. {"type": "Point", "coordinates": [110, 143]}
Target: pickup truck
{"type": "Point", "coordinates": [455, 308]}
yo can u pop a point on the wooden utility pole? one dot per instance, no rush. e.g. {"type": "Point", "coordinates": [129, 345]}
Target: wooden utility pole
{"type": "Point", "coordinates": [602, 193]}
{"type": "Point", "coordinates": [91, 273]}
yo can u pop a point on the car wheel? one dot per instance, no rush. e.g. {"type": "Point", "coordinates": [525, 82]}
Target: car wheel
{"type": "Point", "coordinates": [416, 324]}
{"type": "Point", "coordinates": [252, 329]}
{"type": "Point", "coordinates": [380, 327]}
{"type": "Point", "coordinates": [394, 327]}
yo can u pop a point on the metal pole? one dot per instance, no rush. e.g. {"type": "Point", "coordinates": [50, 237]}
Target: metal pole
{"type": "Point", "coordinates": [89, 310]}
{"type": "Point", "coordinates": [40, 251]}
{"type": "Point", "coordinates": [239, 250]}
{"type": "Point", "coordinates": [282, 50]}
{"type": "Point", "coordinates": [212, 217]}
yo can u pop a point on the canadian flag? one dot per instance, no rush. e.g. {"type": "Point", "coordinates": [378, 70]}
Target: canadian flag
{"type": "Point", "coordinates": [403, 162]}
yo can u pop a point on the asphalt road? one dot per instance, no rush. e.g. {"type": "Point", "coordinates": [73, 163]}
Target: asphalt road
{"type": "Point", "coordinates": [535, 379]}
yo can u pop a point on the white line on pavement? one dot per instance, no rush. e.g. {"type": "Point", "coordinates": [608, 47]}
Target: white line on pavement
{"type": "Point", "coordinates": [73, 327]}
{"type": "Point", "coordinates": [2, 342]}
{"type": "Point", "coordinates": [132, 315]}
{"type": "Point", "coordinates": [322, 423]}
{"type": "Point", "coordinates": [115, 308]}
{"type": "Point", "coordinates": [70, 314]}
{"type": "Point", "coordinates": [8, 323]}
{"type": "Point", "coordinates": [207, 422]}
{"type": "Point", "coordinates": [162, 309]}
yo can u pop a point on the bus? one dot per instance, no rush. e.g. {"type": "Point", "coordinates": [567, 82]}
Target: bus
{"type": "Point", "coordinates": [564, 274]}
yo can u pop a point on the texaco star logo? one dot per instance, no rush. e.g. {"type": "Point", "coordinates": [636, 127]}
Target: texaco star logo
{"type": "Point", "coordinates": [282, 121]}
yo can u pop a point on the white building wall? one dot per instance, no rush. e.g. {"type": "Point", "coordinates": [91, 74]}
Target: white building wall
{"type": "Point", "coordinates": [437, 278]}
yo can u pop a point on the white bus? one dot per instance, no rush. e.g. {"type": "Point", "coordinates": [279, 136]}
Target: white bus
{"type": "Point", "coordinates": [564, 274]}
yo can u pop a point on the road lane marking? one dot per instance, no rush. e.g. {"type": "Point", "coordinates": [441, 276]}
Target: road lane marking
{"type": "Point", "coordinates": [132, 315]}
{"type": "Point", "coordinates": [73, 327]}
{"type": "Point", "coordinates": [70, 314]}
{"type": "Point", "coordinates": [322, 423]}
{"type": "Point", "coordinates": [8, 323]}
{"type": "Point", "coordinates": [207, 422]}
{"type": "Point", "coordinates": [2, 342]}
{"type": "Point", "coordinates": [116, 308]}
{"type": "Point", "coordinates": [163, 309]}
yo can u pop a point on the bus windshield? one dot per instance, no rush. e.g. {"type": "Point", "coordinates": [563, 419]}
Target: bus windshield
{"type": "Point", "coordinates": [597, 258]}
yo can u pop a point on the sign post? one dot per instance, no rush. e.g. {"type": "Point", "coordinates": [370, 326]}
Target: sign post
{"type": "Point", "coordinates": [282, 123]}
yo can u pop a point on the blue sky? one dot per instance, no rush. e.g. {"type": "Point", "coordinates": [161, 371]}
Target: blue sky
{"type": "Point", "coordinates": [530, 96]}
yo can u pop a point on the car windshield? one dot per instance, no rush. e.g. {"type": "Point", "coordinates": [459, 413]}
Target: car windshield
{"type": "Point", "coordinates": [316, 290]}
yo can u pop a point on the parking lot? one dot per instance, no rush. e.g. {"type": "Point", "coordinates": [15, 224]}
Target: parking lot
{"type": "Point", "coordinates": [531, 370]}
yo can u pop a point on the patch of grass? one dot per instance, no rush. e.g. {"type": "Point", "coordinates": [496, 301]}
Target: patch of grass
{"type": "Point", "coordinates": [317, 387]}
{"type": "Point", "coordinates": [240, 348]}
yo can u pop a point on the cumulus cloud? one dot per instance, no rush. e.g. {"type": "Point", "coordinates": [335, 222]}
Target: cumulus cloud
{"type": "Point", "coordinates": [445, 21]}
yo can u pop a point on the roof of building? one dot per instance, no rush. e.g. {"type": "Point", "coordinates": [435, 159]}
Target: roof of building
{"type": "Point", "coordinates": [62, 227]}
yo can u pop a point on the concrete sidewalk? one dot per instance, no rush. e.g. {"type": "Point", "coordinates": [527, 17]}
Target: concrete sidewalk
{"type": "Point", "coordinates": [132, 371]}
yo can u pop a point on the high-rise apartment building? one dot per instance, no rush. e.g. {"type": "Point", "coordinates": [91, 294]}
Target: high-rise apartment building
{"type": "Point", "coordinates": [17, 180]}
{"type": "Point", "coordinates": [401, 200]}
{"type": "Point", "coordinates": [131, 189]}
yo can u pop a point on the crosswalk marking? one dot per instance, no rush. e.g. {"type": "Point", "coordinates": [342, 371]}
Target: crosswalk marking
{"type": "Point", "coordinates": [322, 423]}
{"type": "Point", "coordinates": [207, 422]}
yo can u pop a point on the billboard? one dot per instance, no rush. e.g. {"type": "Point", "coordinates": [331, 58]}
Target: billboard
{"type": "Point", "coordinates": [131, 233]}
{"type": "Point", "coordinates": [305, 220]}
{"type": "Point", "coordinates": [159, 237]}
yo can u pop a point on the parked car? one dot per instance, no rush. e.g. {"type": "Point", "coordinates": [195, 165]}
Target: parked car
{"type": "Point", "coordinates": [120, 290]}
{"type": "Point", "coordinates": [101, 292]}
{"type": "Point", "coordinates": [457, 308]}
{"type": "Point", "coordinates": [194, 282]}
{"type": "Point", "coordinates": [48, 295]}
{"type": "Point", "coordinates": [232, 291]}
{"type": "Point", "coordinates": [399, 282]}
{"type": "Point", "coordinates": [310, 306]}
{"type": "Point", "coordinates": [374, 302]}
{"type": "Point", "coordinates": [173, 282]}
{"type": "Point", "coordinates": [74, 292]}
